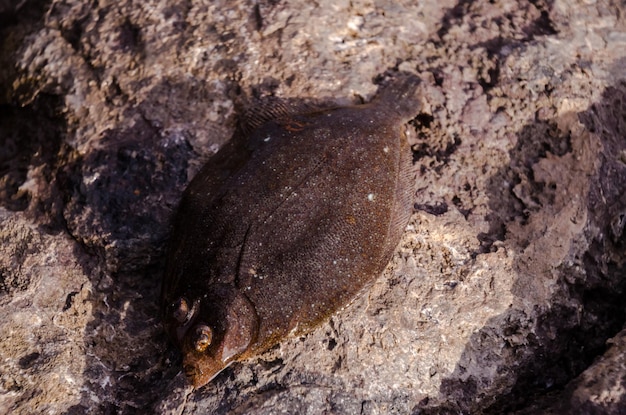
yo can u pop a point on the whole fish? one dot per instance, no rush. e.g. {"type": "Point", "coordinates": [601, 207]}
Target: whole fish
{"type": "Point", "coordinates": [286, 224]}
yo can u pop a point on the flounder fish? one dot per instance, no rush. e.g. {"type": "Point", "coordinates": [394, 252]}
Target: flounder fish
{"type": "Point", "coordinates": [285, 224]}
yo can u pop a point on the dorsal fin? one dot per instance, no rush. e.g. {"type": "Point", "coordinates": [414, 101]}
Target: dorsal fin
{"type": "Point", "coordinates": [262, 110]}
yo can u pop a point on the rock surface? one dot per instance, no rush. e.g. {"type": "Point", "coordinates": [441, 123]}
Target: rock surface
{"type": "Point", "coordinates": [505, 294]}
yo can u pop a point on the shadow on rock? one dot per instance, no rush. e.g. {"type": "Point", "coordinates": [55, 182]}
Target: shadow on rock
{"type": "Point", "coordinates": [30, 139]}
{"type": "Point", "coordinates": [119, 196]}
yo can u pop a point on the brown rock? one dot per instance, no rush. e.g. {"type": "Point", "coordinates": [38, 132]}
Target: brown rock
{"type": "Point", "coordinates": [509, 279]}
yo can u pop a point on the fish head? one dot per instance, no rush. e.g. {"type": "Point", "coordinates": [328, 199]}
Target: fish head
{"type": "Point", "coordinates": [213, 330]}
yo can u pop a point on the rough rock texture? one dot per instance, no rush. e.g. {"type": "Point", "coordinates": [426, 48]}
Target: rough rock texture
{"type": "Point", "coordinates": [505, 294]}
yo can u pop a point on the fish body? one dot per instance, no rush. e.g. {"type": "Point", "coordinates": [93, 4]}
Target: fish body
{"type": "Point", "coordinates": [285, 225]}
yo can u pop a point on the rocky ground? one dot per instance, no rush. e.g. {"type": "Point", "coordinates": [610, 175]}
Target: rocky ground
{"type": "Point", "coordinates": [505, 294]}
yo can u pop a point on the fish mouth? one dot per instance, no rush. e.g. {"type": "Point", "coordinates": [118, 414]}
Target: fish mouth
{"type": "Point", "coordinates": [196, 376]}
{"type": "Point", "coordinates": [200, 370]}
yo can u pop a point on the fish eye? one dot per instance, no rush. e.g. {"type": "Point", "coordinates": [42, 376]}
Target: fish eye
{"type": "Point", "coordinates": [202, 337]}
{"type": "Point", "coordinates": [181, 311]}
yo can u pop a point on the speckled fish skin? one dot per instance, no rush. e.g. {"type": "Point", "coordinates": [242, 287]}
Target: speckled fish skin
{"type": "Point", "coordinates": [286, 225]}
